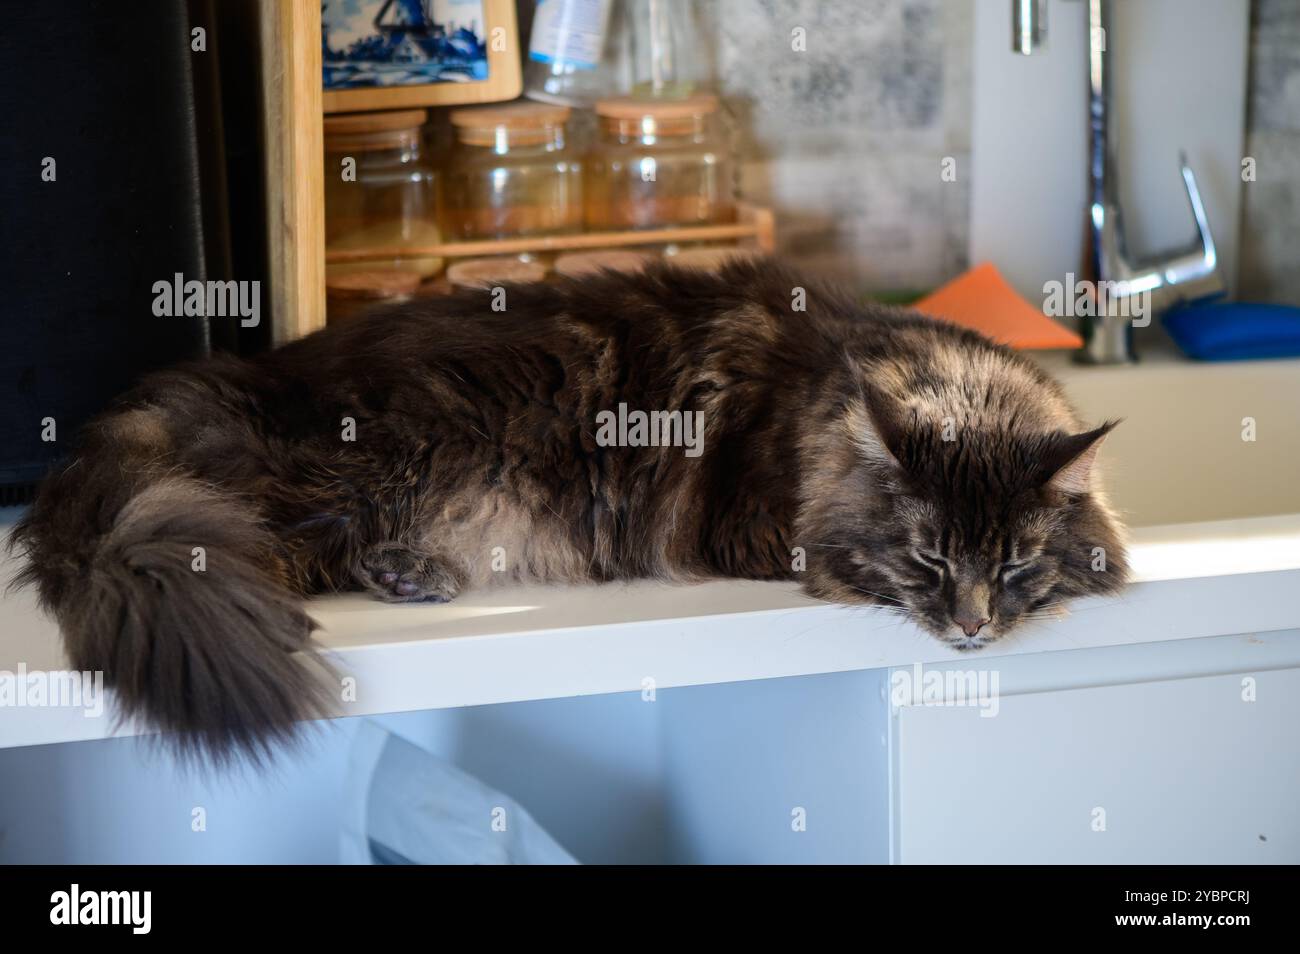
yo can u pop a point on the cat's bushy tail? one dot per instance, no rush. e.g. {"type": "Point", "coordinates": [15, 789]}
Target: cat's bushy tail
{"type": "Point", "coordinates": [169, 587]}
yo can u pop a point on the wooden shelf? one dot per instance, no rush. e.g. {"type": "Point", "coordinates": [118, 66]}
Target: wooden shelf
{"type": "Point", "coordinates": [753, 228]}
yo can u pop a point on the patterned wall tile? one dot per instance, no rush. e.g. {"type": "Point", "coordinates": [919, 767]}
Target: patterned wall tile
{"type": "Point", "coordinates": [864, 68]}
{"type": "Point", "coordinates": [845, 110]}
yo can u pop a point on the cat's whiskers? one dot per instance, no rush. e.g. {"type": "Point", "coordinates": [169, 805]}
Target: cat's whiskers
{"type": "Point", "coordinates": [891, 602]}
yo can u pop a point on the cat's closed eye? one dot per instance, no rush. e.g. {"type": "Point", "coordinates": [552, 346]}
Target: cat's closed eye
{"type": "Point", "coordinates": [935, 561]}
{"type": "Point", "coordinates": [1009, 571]}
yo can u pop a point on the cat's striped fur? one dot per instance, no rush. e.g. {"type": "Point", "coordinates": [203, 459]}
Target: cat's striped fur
{"type": "Point", "coordinates": [908, 462]}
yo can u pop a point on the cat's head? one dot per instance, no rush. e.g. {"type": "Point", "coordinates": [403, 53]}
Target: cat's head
{"type": "Point", "coordinates": [969, 528]}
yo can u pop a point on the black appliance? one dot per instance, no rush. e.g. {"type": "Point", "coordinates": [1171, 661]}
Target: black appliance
{"type": "Point", "coordinates": [128, 111]}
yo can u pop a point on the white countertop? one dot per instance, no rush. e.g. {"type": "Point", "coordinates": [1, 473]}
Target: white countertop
{"type": "Point", "coordinates": [518, 643]}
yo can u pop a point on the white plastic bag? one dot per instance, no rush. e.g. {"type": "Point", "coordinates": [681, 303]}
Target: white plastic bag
{"type": "Point", "coordinates": [406, 806]}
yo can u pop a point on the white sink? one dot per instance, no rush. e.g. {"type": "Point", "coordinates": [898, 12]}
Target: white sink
{"type": "Point", "coordinates": [1179, 457]}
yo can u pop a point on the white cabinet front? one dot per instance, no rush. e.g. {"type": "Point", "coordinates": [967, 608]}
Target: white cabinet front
{"type": "Point", "coordinates": [1191, 770]}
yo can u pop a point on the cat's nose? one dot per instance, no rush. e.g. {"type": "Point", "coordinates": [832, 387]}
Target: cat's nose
{"type": "Point", "coordinates": [970, 625]}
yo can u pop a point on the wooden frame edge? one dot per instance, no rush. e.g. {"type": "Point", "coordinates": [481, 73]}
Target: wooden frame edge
{"type": "Point", "coordinates": [289, 33]}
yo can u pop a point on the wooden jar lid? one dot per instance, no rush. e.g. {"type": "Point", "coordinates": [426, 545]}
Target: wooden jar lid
{"type": "Point", "coordinates": [364, 132]}
{"type": "Point", "coordinates": [511, 114]}
{"type": "Point", "coordinates": [376, 285]}
{"type": "Point", "coordinates": [375, 122]}
{"type": "Point", "coordinates": [577, 264]}
{"type": "Point", "coordinates": [523, 123]}
{"type": "Point", "coordinates": [711, 258]}
{"type": "Point", "coordinates": [629, 107]}
{"type": "Point", "coordinates": [486, 272]}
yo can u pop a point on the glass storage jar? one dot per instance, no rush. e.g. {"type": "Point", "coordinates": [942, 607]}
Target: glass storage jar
{"type": "Point", "coordinates": [512, 173]}
{"type": "Point", "coordinates": [572, 52]}
{"type": "Point", "coordinates": [659, 163]}
{"type": "Point", "coordinates": [379, 190]}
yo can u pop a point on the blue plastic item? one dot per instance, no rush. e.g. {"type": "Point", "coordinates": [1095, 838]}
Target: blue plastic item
{"type": "Point", "coordinates": [1234, 331]}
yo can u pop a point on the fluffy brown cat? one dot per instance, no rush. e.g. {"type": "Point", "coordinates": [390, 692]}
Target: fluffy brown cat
{"type": "Point", "coordinates": [915, 464]}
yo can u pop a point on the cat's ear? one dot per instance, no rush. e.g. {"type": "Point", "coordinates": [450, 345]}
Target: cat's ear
{"type": "Point", "coordinates": [1068, 464]}
{"type": "Point", "coordinates": [875, 425]}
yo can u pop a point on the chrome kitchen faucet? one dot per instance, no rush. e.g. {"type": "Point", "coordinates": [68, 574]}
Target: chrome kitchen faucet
{"type": "Point", "coordinates": [1131, 287]}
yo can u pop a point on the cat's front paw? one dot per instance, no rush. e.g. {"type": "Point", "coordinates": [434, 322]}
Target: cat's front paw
{"type": "Point", "coordinates": [398, 574]}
